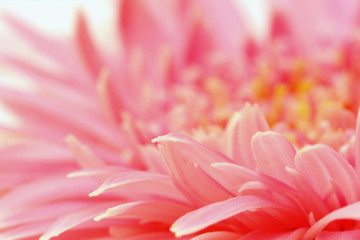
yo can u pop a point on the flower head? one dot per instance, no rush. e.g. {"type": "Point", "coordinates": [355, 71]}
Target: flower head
{"type": "Point", "coordinates": [81, 163]}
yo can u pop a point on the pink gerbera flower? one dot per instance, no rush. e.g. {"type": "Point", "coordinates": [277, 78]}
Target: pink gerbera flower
{"type": "Point", "coordinates": [81, 165]}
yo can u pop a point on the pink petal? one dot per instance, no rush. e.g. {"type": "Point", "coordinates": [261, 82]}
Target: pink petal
{"type": "Point", "coordinates": [137, 182]}
{"type": "Point", "coordinates": [269, 235]}
{"type": "Point", "coordinates": [239, 132]}
{"type": "Point", "coordinates": [42, 115]}
{"type": "Point", "coordinates": [86, 48]}
{"type": "Point", "coordinates": [73, 219]}
{"type": "Point", "coordinates": [308, 200]}
{"type": "Point", "coordinates": [202, 41]}
{"type": "Point", "coordinates": [280, 26]}
{"type": "Point", "coordinates": [273, 153]}
{"type": "Point", "coordinates": [85, 157]}
{"type": "Point", "coordinates": [343, 235]}
{"type": "Point", "coordinates": [98, 171]}
{"type": "Point", "coordinates": [43, 43]}
{"type": "Point", "coordinates": [133, 228]}
{"type": "Point", "coordinates": [216, 212]}
{"type": "Point", "coordinates": [38, 214]}
{"type": "Point", "coordinates": [134, 14]}
{"type": "Point", "coordinates": [189, 165]}
{"type": "Point", "coordinates": [106, 100]}
{"type": "Point", "coordinates": [357, 142]}
{"type": "Point", "coordinates": [57, 50]}
{"type": "Point", "coordinates": [152, 159]}
{"type": "Point", "coordinates": [25, 231]}
{"type": "Point", "coordinates": [147, 211]}
{"type": "Point", "coordinates": [351, 211]}
{"type": "Point", "coordinates": [307, 19]}
{"type": "Point", "coordinates": [40, 75]}
{"type": "Point", "coordinates": [229, 25]}
{"type": "Point", "coordinates": [31, 159]}
{"type": "Point", "coordinates": [237, 176]}
{"type": "Point", "coordinates": [217, 235]}
{"type": "Point", "coordinates": [33, 151]}
{"type": "Point", "coordinates": [155, 235]}
{"type": "Point", "coordinates": [329, 173]}
{"type": "Point", "coordinates": [41, 192]}
{"type": "Point", "coordinates": [75, 97]}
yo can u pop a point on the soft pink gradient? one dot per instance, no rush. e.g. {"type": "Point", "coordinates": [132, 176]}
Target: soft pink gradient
{"type": "Point", "coordinates": [81, 165]}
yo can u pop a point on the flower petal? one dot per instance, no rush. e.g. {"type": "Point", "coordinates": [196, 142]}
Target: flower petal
{"type": "Point", "coordinates": [40, 75]}
{"type": "Point", "coordinates": [343, 235]}
{"type": "Point", "coordinates": [239, 132]}
{"type": "Point", "coordinates": [55, 49]}
{"type": "Point", "coordinates": [237, 176]}
{"type": "Point", "coordinates": [138, 182]}
{"type": "Point", "coordinates": [134, 14]}
{"type": "Point", "coordinates": [25, 231]}
{"type": "Point", "coordinates": [272, 154]}
{"type": "Point", "coordinates": [329, 173]}
{"type": "Point", "coordinates": [54, 123]}
{"type": "Point", "coordinates": [43, 191]}
{"type": "Point", "coordinates": [147, 211]}
{"type": "Point", "coordinates": [85, 157]}
{"type": "Point", "coordinates": [73, 219]}
{"type": "Point", "coordinates": [34, 151]}
{"type": "Point", "coordinates": [155, 235]}
{"type": "Point", "coordinates": [152, 159]}
{"type": "Point", "coordinates": [217, 235]}
{"type": "Point", "coordinates": [106, 99]}
{"type": "Point", "coordinates": [351, 211]}
{"type": "Point", "coordinates": [98, 171]}
{"type": "Point", "coordinates": [357, 142]}
{"type": "Point", "coordinates": [38, 214]}
{"type": "Point", "coordinates": [307, 19]}
{"type": "Point", "coordinates": [189, 165]}
{"type": "Point", "coordinates": [269, 235]}
{"type": "Point", "coordinates": [86, 48]}
{"type": "Point", "coordinates": [216, 212]}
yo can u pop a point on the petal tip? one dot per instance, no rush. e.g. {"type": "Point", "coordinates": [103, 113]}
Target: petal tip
{"type": "Point", "coordinates": [71, 175]}
{"type": "Point", "coordinates": [101, 216]}
{"type": "Point", "coordinates": [155, 140]}
{"type": "Point", "coordinates": [95, 193]}
{"type": "Point", "coordinates": [167, 138]}
{"type": "Point", "coordinates": [174, 229]}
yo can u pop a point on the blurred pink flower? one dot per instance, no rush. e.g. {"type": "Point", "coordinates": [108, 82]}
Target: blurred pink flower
{"type": "Point", "coordinates": [186, 67]}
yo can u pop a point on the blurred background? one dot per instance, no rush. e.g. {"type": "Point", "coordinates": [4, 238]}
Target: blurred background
{"type": "Point", "coordinates": [56, 20]}
{"type": "Point", "coordinates": [56, 17]}
{"type": "Point", "coordinates": [52, 18]}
